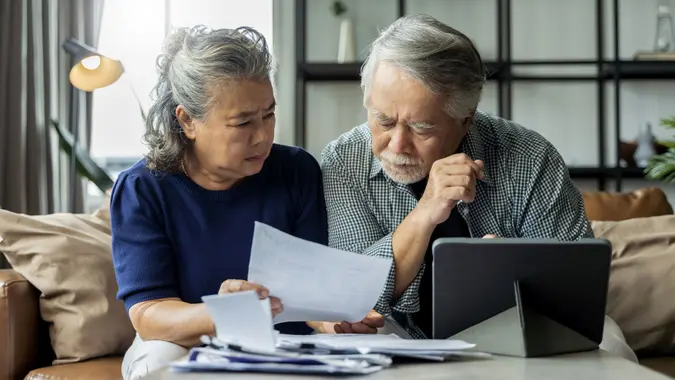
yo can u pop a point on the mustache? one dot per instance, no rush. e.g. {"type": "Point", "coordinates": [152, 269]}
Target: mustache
{"type": "Point", "coordinates": [399, 159]}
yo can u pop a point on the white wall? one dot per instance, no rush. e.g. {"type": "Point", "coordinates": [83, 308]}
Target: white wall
{"type": "Point", "coordinates": [283, 32]}
{"type": "Point", "coordinates": [564, 112]}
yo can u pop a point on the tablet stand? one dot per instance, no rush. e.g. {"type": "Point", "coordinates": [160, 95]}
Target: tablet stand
{"type": "Point", "coordinates": [522, 332]}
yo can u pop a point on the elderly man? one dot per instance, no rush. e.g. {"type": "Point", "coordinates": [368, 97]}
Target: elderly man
{"type": "Point", "coordinates": [428, 164]}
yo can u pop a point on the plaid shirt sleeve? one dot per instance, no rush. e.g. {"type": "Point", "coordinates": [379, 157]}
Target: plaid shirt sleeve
{"type": "Point", "coordinates": [553, 207]}
{"type": "Point", "coordinates": [353, 227]}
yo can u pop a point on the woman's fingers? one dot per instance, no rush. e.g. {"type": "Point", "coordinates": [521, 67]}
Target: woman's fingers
{"type": "Point", "coordinates": [233, 286]}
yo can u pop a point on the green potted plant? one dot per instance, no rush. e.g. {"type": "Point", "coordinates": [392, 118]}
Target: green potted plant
{"type": "Point", "coordinates": [85, 164]}
{"type": "Point", "coordinates": [661, 167]}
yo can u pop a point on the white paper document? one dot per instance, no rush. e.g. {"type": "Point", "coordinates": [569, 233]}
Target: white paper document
{"type": "Point", "coordinates": [315, 282]}
{"type": "Point", "coordinates": [242, 319]}
{"type": "Point", "coordinates": [376, 342]}
{"type": "Point", "coordinates": [383, 344]}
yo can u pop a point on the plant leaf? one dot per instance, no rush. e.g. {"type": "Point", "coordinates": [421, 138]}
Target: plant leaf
{"type": "Point", "coordinates": [662, 167]}
{"type": "Point", "coordinates": [86, 166]}
{"type": "Point", "coordinates": [338, 8]}
{"type": "Point", "coordinates": [668, 122]}
{"type": "Point", "coordinates": [668, 143]}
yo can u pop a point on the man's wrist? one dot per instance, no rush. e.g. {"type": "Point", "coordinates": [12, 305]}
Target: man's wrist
{"type": "Point", "coordinates": [421, 220]}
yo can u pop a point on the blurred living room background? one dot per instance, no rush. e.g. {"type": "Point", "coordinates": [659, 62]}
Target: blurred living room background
{"type": "Point", "coordinates": [595, 77]}
{"type": "Point", "coordinates": [588, 75]}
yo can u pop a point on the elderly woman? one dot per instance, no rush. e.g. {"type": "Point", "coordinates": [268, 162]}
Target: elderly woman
{"type": "Point", "coordinates": [183, 217]}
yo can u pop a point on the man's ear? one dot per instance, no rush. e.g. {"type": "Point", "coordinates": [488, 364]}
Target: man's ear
{"type": "Point", "coordinates": [186, 122]}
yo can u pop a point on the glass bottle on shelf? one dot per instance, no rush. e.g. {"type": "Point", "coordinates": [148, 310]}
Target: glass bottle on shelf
{"type": "Point", "coordinates": [665, 38]}
{"type": "Point", "coordinates": [645, 146]}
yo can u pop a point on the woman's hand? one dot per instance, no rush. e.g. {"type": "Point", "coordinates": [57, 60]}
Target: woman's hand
{"type": "Point", "coordinates": [233, 286]}
{"type": "Point", "coordinates": [368, 325]}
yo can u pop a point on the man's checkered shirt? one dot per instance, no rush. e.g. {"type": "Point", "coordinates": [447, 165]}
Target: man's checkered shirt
{"type": "Point", "coordinates": [526, 192]}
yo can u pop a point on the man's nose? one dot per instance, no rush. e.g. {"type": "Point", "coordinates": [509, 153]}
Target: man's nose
{"type": "Point", "coordinates": [399, 140]}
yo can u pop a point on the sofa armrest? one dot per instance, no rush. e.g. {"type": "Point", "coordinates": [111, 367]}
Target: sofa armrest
{"type": "Point", "coordinates": [641, 203]}
{"type": "Point", "coordinates": [19, 325]}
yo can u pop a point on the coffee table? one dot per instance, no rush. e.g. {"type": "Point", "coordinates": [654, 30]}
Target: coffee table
{"type": "Point", "coordinates": [593, 365]}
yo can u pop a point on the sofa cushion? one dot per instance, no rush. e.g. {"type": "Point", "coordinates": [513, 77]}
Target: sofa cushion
{"type": "Point", "coordinates": [68, 258]}
{"type": "Point", "coordinates": [109, 368]}
{"type": "Point", "coordinates": [650, 201]}
{"type": "Point", "coordinates": [642, 280]}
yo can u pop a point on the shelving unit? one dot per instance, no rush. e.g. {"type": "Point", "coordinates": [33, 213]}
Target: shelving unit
{"type": "Point", "coordinates": [504, 72]}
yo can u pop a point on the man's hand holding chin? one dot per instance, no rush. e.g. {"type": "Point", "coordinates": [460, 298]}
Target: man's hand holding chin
{"type": "Point", "coordinates": [367, 325]}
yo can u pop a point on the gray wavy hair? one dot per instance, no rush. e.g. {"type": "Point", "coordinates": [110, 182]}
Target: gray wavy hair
{"type": "Point", "coordinates": [194, 62]}
{"type": "Point", "coordinates": [441, 58]}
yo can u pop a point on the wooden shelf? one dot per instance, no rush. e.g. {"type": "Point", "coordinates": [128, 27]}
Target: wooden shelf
{"type": "Point", "coordinates": [637, 173]}
{"type": "Point", "coordinates": [587, 172]}
{"type": "Point", "coordinates": [640, 70]}
{"type": "Point", "coordinates": [331, 71]}
{"type": "Point", "coordinates": [591, 172]}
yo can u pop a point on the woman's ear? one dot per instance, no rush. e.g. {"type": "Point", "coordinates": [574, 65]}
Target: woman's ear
{"type": "Point", "coordinates": [186, 123]}
{"type": "Point", "coordinates": [469, 119]}
{"type": "Point", "coordinates": [466, 123]}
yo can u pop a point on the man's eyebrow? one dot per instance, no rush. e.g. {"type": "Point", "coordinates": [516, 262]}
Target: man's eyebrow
{"type": "Point", "coordinates": [245, 114]}
{"type": "Point", "coordinates": [380, 115]}
{"type": "Point", "coordinates": [421, 124]}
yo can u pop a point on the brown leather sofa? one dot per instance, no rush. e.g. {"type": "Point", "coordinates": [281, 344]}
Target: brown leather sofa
{"type": "Point", "coordinates": [25, 349]}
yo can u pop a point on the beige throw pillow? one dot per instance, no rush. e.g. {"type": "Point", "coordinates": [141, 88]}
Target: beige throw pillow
{"type": "Point", "coordinates": [68, 258]}
{"type": "Point", "coordinates": [642, 280]}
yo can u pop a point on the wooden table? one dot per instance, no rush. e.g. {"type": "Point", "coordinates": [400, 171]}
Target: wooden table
{"type": "Point", "coordinates": [594, 365]}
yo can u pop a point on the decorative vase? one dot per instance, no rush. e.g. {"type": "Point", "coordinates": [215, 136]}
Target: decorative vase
{"type": "Point", "coordinates": [347, 45]}
{"type": "Point", "coordinates": [665, 36]}
{"type": "Point", "coordinates": [645, 146]}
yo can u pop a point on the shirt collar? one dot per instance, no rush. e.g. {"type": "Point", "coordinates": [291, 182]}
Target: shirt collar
{"type": "Point", "coordinates": [472, 146]}
{"type": "Point", "coordinates": [375, 166]}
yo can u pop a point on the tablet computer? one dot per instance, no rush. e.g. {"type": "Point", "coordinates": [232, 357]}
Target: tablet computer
{"type": "Point", "coordinates": [521, 297]}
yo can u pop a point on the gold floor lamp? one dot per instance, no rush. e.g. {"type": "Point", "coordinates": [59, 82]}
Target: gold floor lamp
{"type": "Point", "coordinates": [90, 71]}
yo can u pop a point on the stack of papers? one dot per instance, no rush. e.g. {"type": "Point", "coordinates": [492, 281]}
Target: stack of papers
{"type": "Point", "coordinates": [207, 359]}
{"type": "Point", "coordinates": [390, 345]}
{"type": "Point", "coordinates": [314, 283]}
{"type": "Point", "coordinates": [322, 353]}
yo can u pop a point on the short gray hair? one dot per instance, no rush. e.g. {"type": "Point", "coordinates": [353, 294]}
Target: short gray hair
{"type": "Point", "coordinates": [194, 62]}
{"type": "Point", "coordinates": [441, 58]}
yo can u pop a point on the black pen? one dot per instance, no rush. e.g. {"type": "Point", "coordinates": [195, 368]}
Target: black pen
{"type": "Point", "coordinates": [216, 343]}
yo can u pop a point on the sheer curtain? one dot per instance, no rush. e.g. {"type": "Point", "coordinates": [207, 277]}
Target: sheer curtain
{"type": "Point", "coordinates": [34, 89]}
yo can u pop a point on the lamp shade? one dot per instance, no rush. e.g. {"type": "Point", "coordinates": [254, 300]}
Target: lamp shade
{"type": "Point", "coordinates": [91, 70]}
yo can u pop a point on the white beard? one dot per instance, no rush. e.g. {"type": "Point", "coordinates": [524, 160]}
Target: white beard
{"type": "Point", "coordinates": [402, 169]}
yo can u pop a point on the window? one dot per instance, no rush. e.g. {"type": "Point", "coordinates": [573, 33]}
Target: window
{"type": "Point", "coordinates": [133, 32]}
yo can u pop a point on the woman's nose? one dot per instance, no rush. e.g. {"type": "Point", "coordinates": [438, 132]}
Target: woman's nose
{"type": "Point", "coordinates": [261, 133]}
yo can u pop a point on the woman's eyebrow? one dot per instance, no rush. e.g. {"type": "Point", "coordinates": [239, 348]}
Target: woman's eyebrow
{"type": "Point", "coordinates": [244, 114]}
